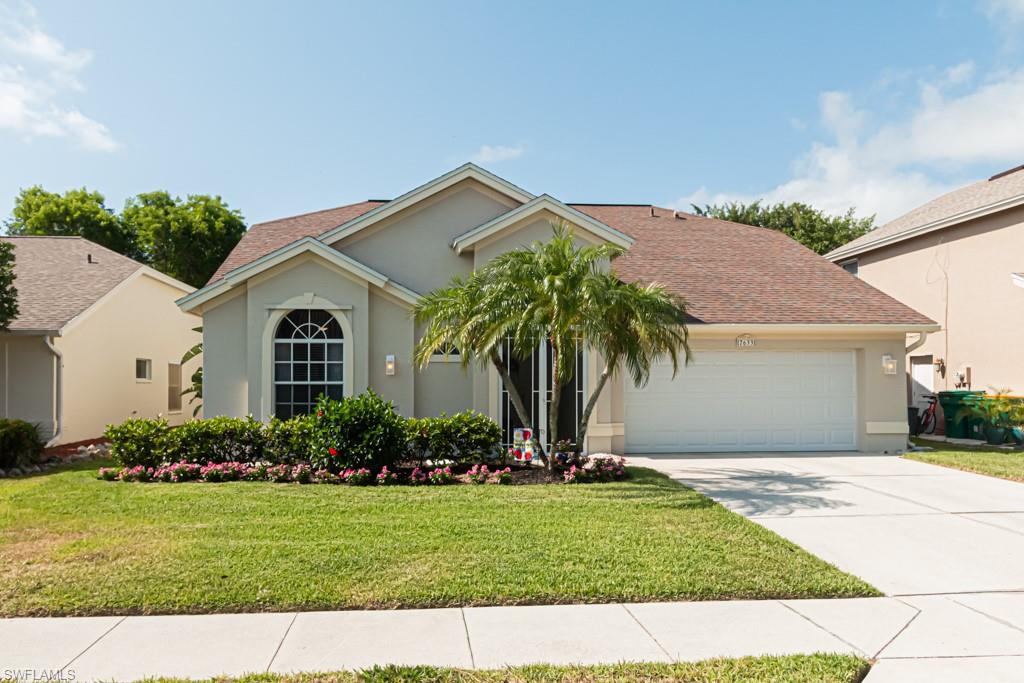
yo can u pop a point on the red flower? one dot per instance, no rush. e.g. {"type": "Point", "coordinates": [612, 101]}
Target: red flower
{"type": "Point", "coordinates": [332, 451]}
{"type": "Point", "coordinates": [319, 413]}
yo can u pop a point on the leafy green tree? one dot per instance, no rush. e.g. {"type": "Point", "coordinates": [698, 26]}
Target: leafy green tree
{"type": "Point", "coordinates": [75, 213]}
{"type": "Point", "coordinates": [562, 293]}
{"type": "Point", "coordinates": [814, 229]}
{"type": "Point", "coordinates": [8, 293]}
{"type": "Point", "coordinates": [186, 239]}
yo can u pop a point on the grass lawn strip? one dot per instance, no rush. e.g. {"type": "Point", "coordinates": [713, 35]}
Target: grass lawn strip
{"type": "Point", "coordinates": [995, 462]}
{"type": "Point", "coordinates": [819, 668]}
{"type": "Point", "coordinates": [73, 545]}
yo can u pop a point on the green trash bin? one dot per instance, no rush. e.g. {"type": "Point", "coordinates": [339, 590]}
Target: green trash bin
{"type": "Point", "coordinates": [952, 402]}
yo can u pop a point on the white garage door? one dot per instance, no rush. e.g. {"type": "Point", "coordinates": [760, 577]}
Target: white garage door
{"type": "Point", "coordinates": [746, 401]}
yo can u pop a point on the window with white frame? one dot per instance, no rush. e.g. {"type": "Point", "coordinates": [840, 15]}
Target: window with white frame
{"type": "Point", "coordinates": [174, 387]}
{"type": "Point", "coordinates": [143, 369]}
{"type": "Point", "coordinates": [308, 361]}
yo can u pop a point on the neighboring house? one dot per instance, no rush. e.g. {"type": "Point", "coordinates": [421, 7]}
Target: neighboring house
{"type": "Point", "coordinates": [97, 339]}
{"type": "Point", "coordinates": [791, 353]}
{"type": "Point", "coordinates": [957, 259]}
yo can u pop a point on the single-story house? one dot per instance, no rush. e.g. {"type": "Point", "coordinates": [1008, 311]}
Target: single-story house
{"type": "Point", "coordinates": [959, 260]}
{"type": "Point", "coordinates": [791, 352]}
{"type": "Point", "coordinates": [98, 338]}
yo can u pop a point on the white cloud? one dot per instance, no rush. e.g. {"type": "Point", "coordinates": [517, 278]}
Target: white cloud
{"type": "Point", "coordinates": [37, 72]}
{"type": "Point", "coordinates": [878, 168]}
{"type": "Point", "coordinates": [1012, 10]}
{"type": "Point", "coordinates": [490, 154]}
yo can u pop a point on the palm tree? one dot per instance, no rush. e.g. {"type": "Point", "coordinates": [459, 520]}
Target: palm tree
{"type": "Point", "coordinates": [553, 288]}
{"type": "Point", "coordinates": [633, 325]}
{"type": "Point", "coordinates": [463, 315]}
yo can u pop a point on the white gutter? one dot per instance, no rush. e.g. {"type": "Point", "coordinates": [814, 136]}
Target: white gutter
{"type": "Point", "coordinates": [59, 399]}
{"type": "Point", "coordinates": [914, 346]}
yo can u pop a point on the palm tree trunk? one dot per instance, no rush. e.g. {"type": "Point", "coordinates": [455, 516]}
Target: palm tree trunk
{"type": "Point", "coordinates": [517, 400]}
{"type": "Point", "coordinates": [591, 403]}
{"type": "Point", "coordinates": [556, 399]}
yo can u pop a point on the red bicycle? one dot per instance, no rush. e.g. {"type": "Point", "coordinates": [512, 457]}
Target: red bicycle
{"type": "Point", "coordinates": [927, 425]}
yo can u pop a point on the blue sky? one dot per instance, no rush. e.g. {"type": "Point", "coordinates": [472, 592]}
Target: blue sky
{"type": "Point", "coordinates": [283, 108]}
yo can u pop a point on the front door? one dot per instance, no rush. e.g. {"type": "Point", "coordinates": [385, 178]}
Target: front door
{"type": "Point", "coordinates": [922, 380]}
{"type": "Point", "coordinates": [533, 380]}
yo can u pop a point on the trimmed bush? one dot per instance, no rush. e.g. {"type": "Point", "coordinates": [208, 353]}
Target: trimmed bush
{"type": "Point", "coordinates": [138, 442]}
{"type": "Point", "coordinates": [357, 432]}
{"type": "Point", "coordinates": [463, 438]}
{"type": "Point", "coordinates": [289, 441]}
{"type": "Point", "coordinates": [20, 444]}
{"type": "Point", "coordinates": [216, 440]}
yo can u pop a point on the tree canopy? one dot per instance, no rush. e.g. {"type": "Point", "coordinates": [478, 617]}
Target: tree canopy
{"type": "Point", "coordinates": [8, 293]}
{"type": "Point", "coordinates": [811, 227]}
{"type": "Point", "coordinates": [186, 239]}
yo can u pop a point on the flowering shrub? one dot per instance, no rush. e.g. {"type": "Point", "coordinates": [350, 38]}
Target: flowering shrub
{"type": "Point", "coordinates": [386, 477]}
{"type": "Point", "coordinates": [223, 471]}
{"type": "Point", "coordinates": [359, 477]}
{"type": "Point", "coordinates": [137, 473]}
{"type": "Point", "coordinates": [257, 472]}
{"type": "Point", "coordinates": [179, 471]}
{"type": "Point", "coordinates": [109, 473]}
{"type": "Point", "coordinates": [418, 477]}
{"type": "Point", "coordinates": [605, 467]}
{"type": "Point", "coordinates": [357, 432]}
{"type": "Point", "coordinates": [326, 477]}
{"type": "Point", "coordinates": [440, 476]}
{"type": "Point", "coordinates": [574, 475]}
{"type": "Point", "coordinates": [302, 474]}
{"type": "Point", "coordinates": [279, 473]}
{"type": "Point", "coordinates": [478, 474]}
{"type": "Point", "coordinates": [502, 476]}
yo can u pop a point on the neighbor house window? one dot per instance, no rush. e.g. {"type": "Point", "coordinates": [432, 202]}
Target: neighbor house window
{"type": "Point", "coordinates": [308, 362]}
{"type": "Point", "coordinates": [850, 266]}
{"type": "Point", "coordinates": [143, 369]}
{"type": "Point", "coordinates": [448, 352]}
{"type": "Point", "coordinates": [174, 387]}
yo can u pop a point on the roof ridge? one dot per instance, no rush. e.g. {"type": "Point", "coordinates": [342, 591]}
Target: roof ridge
{"type": "Point", "coordinates": [312, 213]}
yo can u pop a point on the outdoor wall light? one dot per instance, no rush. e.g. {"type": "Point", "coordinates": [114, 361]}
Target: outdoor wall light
{"type": "Point", "coordinates": [888, 365]}
{"type": "Point", "coordinates": [389, 364]}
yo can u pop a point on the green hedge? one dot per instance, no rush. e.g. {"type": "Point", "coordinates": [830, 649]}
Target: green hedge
{"type": "Point", "coordinates": [20, 444]}
{"type": "Point", "coordinates": [358, 431]}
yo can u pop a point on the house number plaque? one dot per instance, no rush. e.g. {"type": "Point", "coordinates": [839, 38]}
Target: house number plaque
{"type": "Point", "coordinates": [744, 341]}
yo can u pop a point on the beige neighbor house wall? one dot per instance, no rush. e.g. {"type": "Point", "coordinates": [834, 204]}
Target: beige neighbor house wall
{"type": "Point", "coordinates": [138, 319]}
{"type": "Point", "coordinates": [27, 386]}
{"type": "Point", "coordinates": [961, 277]}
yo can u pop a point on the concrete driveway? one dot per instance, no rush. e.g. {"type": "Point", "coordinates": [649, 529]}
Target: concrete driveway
{"type": "Point", "coordinates": [906, 527]}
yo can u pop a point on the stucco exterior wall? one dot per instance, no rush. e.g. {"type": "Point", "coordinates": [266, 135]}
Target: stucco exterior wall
{"type": "Point", "coordinates": [138, 320]}
{"type": "Point", "coordinates": [391, 333]}
{"type": "Point", "coordinates": [414, 247]}
{"type": "Point", "coordinates": [961, 278]}
{"type": "Point", "coordinates": [225, 362]}
{"type": "Point", "coordinates": [27, 381]}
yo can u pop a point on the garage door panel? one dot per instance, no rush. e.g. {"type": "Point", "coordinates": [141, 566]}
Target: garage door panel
{"type": "Point", "coordinates": [746, 400]}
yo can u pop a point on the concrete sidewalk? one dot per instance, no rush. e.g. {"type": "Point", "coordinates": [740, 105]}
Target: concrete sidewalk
{"type": "Point", "coordinates": [933, 638]}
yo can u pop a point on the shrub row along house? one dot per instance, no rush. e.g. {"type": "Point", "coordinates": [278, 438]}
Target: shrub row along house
{"type": "Point", "coordinates": [97, 339]}
{"type": "Point", "coordinates": [790, 351]}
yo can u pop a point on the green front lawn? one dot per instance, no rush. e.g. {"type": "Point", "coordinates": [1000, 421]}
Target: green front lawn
{"type": "Point", "coordinates": [71, 544]}
{"type": "Point", "coordinates": [791, 669]}
{"type": "Point", "coordinates": [995, 462]}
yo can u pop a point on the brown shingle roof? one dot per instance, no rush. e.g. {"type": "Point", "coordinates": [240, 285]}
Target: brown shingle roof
{"type": "Point", "coordinates": [56, 282]}
{"type": "Point", "coordinates": [727, 272]}
{"type": "Point", "coordinates": [263, 238]}
{"type": "Point", "coordinates": [734, 273]}
{"type": "Point", "coordinates": [998, 188]}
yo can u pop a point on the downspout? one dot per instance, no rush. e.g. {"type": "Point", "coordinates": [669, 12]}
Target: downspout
{"type": "Point", "coordinates": [59, 402]}
{"type": "Point", "coordinates": [914, 346]}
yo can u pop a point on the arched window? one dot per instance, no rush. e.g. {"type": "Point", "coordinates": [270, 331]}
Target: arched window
{"type": "Point", "coordinates": [307, 361]}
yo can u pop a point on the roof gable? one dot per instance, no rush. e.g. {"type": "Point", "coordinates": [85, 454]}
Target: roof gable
{"type": "Point", "coordinates": [1000, 192]}
{"type": "Point", "coordinates": [467, 240]}
{"type": "Point", "coordinates": [465, 172]}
